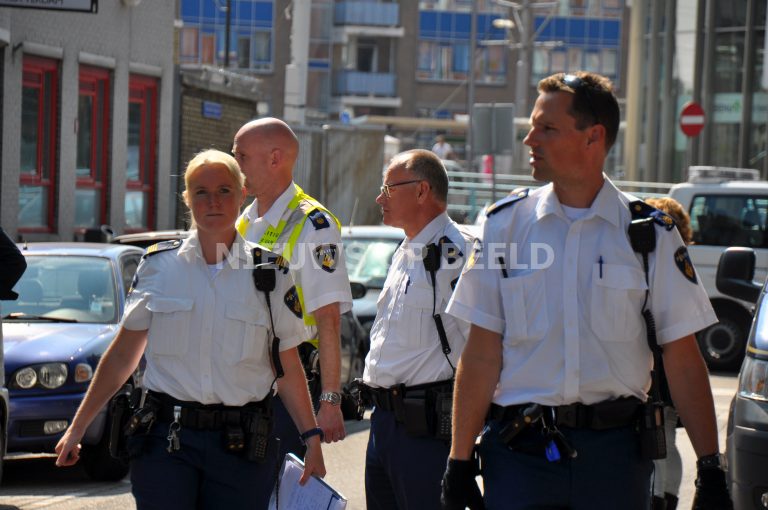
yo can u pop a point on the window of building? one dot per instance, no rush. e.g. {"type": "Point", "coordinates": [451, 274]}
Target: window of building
{"type": "Point", "coordinates": [142, 149]}
{"type": "Point", "coordinates": [188, 42]}
{"type": "Point", "coordinates": [39, 137]}
{"type": "Point", "coordinates": [93, 115]}
{"type": "Point", "coordinates": [202, 40]}
{"type": "Point", "coordinates": [444, 48]}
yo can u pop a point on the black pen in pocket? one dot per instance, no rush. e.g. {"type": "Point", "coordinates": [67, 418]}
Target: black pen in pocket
{"type": "Point", "coordinates": [503, 268]}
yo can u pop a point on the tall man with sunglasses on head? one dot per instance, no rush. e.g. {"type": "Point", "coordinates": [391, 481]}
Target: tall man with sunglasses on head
{"type": "Point", "coordinates": [559, 359]}
{"type": "Point", "coordinates": [409, 370]}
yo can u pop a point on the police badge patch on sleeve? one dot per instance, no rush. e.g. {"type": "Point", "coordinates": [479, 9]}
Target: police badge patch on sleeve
{"type": "Point", "coordinates": [134, 282]}
{"type": "Point", "coordinates": [477, 250]}
{"type": "Point", "coordinates": [450, 251]}
{"type": "Point", "coordinates": [684, 264]}
{"type": "Point", "coordinates": [318, 219]}
{"type": "Point", "coordinates": [291, 300]}
{"type": "Point", "coordinates": [327, 256]}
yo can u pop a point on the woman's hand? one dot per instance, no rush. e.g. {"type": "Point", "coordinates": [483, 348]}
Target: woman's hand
{"type": "Point", "coordinates": [313, 460]}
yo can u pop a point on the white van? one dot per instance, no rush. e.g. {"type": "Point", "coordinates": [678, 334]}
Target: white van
{"type": "Point", "coordinates": [728, 207]}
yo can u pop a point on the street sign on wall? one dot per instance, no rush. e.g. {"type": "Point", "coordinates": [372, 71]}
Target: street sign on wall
{"type": "Point", "coordinates": [692, 119]}
{"type": "Point", "coordinates": [91, 6]}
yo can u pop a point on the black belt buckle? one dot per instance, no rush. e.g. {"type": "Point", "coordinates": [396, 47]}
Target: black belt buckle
{"type": "Point", "coordinates": [573, 415]}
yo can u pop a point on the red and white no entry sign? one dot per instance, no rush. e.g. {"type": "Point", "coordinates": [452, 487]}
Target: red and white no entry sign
{"type": "Point", "coordinates": [692, 119]}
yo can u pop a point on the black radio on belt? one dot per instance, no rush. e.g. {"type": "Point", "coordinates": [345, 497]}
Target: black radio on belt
{"type": "Point", "coordinates": [257, 427]}
{"type": "Point", "coordinates": [653, 443]}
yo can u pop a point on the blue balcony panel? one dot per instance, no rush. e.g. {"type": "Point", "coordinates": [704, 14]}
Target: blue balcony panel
{"type": "Point", "coordinates": [367, 13]}
{"type": "Point", "coordinates": [356, 83]}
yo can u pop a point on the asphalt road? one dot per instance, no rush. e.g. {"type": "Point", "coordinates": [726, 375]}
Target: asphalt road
{"type": "Point", "coordinates": [34, 482]}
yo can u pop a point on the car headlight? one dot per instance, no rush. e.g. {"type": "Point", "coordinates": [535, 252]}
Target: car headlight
{"type": "Point", "coordinates": [752, 381]}
{"type": "Point", "coordinates": [26, 378]}
{"type": "Point", "coordinates": [48, 375]}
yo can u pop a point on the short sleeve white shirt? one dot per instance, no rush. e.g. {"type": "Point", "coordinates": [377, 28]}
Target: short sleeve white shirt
{"type": "Point", "coordinates": [442, 150]}
{"type": "Point", "coordinates": [405, 346]}
{"type": "Point", "coordinates": [567, 295]}
{"type": "Point", "coordinates": [209, 336]}
{"type": "Point", "coordinates": [320, 285]}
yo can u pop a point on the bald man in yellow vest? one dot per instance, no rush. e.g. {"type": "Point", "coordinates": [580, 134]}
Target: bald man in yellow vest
{"type": "Point", "coordinates": [296, 226]}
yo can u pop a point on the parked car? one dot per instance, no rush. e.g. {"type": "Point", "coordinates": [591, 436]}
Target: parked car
{"type": "Point", "coordinates": [71, 299]}
{"type": "Point", "coordinates": [354, 341]}
{"type": "Point", "coordinates": [728, 207]}
{"type": "Point", "coordinates": [368, 253]}
{"type": "Point", "coordinates": [747, 431]}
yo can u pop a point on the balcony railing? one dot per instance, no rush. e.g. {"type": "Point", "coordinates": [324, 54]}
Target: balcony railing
{"type": "Point", "coordinates": [356, 83]}
{"type": "Point", "coordinates": [367, 13]}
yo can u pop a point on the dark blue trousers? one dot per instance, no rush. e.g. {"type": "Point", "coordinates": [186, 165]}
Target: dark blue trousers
{"type": "Point", "coordinates": [607, 473]}
{"type": "Point", "coordinates": [201, 475]}
{"type": "Point", "coordinates": [402, 472]}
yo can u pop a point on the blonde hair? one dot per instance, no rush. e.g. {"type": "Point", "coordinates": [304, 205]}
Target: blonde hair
{"type": "Point", "coordinates": [213, 157]}
{"type": "Point", "coordinates": [674, 209]}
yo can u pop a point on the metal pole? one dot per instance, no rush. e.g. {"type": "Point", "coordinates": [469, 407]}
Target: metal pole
{"type": "Point", "coordinates": [226, 35]}
{"type": "Point", "coordinates": [470, 146]}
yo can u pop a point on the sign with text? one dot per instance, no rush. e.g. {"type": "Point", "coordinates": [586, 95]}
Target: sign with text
{"type": "Point", "coordinates": [91, 6]}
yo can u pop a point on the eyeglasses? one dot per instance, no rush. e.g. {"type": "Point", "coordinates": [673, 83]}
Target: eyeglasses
{"type": "Point", "coordinates": [576, 83]}
{"type": "Point", "coordinates": [386, 189]}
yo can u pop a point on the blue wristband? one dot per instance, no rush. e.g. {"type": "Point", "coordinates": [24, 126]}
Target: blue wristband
{"type": "Point", "coordinates": [317, 431]}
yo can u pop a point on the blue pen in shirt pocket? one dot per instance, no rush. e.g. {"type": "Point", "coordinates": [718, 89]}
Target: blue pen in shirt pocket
{"type": "Point", "coordinates": [407, 284]}
{"type": "Point", "coordinates": [600, 262]}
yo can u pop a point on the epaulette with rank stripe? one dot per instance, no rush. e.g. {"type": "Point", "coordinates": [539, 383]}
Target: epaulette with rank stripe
{"type": "Point", "coordinates": [640, 209]}
{"type": "Point", "coordinates": [513, 197]}
{"type": "Point", "coordinates": [163, 246]}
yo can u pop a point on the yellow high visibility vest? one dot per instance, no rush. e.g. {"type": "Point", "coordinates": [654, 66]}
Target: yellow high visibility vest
{"type": "Point", "coordinates": [300, 207]}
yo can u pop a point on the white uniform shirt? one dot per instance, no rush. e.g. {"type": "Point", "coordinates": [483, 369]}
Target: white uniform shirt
{"type": "Point", "coordinates": [572, 330]}
{"type": "Point", "coordinates": [209, 337]}
{"type": "Point", "coordinates": [405, 346]}
{"type": "Point", "coordinates": [319, 286]}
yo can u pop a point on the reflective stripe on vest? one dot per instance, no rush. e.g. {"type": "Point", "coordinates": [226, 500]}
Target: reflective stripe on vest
{"type": "Point", "coordinates": [272, 234]}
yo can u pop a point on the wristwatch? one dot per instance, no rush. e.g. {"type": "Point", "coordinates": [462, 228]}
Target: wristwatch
{"type": "Point", "coordinates": [710, 461]}
{"type": "Point", "coordinates": [332, 397]}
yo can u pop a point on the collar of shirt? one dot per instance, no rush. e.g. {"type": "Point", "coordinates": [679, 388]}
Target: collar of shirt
{"type": "Point", "coordinates": [412, 248]}
{"type": "Point", "coordinates": [607, 204]}
{"type": "Point", "coordinates": [275, 212]}
{"type": "Point", "coordinates": [237, 256]}
{"type": "Point", "coordinates": [427, 233]}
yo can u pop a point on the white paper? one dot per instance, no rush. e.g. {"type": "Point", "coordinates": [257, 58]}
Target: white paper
{"type": "Point", "coordinates": [316, 494]}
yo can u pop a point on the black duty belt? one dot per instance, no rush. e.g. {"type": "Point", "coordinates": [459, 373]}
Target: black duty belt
{"type": "Point", "coordinates": [195, 415]}
{"type": "Point", "coordinates": [600, 416]}
{"type": "Point", "coordinates": [386, 398]}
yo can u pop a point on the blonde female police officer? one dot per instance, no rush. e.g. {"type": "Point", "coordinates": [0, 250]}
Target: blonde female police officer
{"type": "Point", "coordinates": [206, 332]}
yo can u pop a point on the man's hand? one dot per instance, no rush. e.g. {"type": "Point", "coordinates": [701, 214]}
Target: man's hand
{"type": "Point", "coordinates": [329, 419]}
{"type": "Point", "coordinates": [68, 448]}
{"type": "Point", "coordinates": [711, 490]}
{"type": "Point", "coordinates": [459, 487]}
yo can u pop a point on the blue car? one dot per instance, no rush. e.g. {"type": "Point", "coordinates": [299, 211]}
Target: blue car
{"type": "Point", "coordinates": [71, 299]}
{"type": "Point", "coordinates": [747, 433]}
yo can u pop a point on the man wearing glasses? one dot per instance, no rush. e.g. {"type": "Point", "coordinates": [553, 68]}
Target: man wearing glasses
{"type": "Point", "coordinates": [558, 356]}
{"type": "Point", "coordinates": [409, 370]}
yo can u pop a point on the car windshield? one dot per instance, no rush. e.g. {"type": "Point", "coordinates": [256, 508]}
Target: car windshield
{"type": "Point", "coordinates": [70, 288]}
{"type": "Point", "coordinates": [368, 259]}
